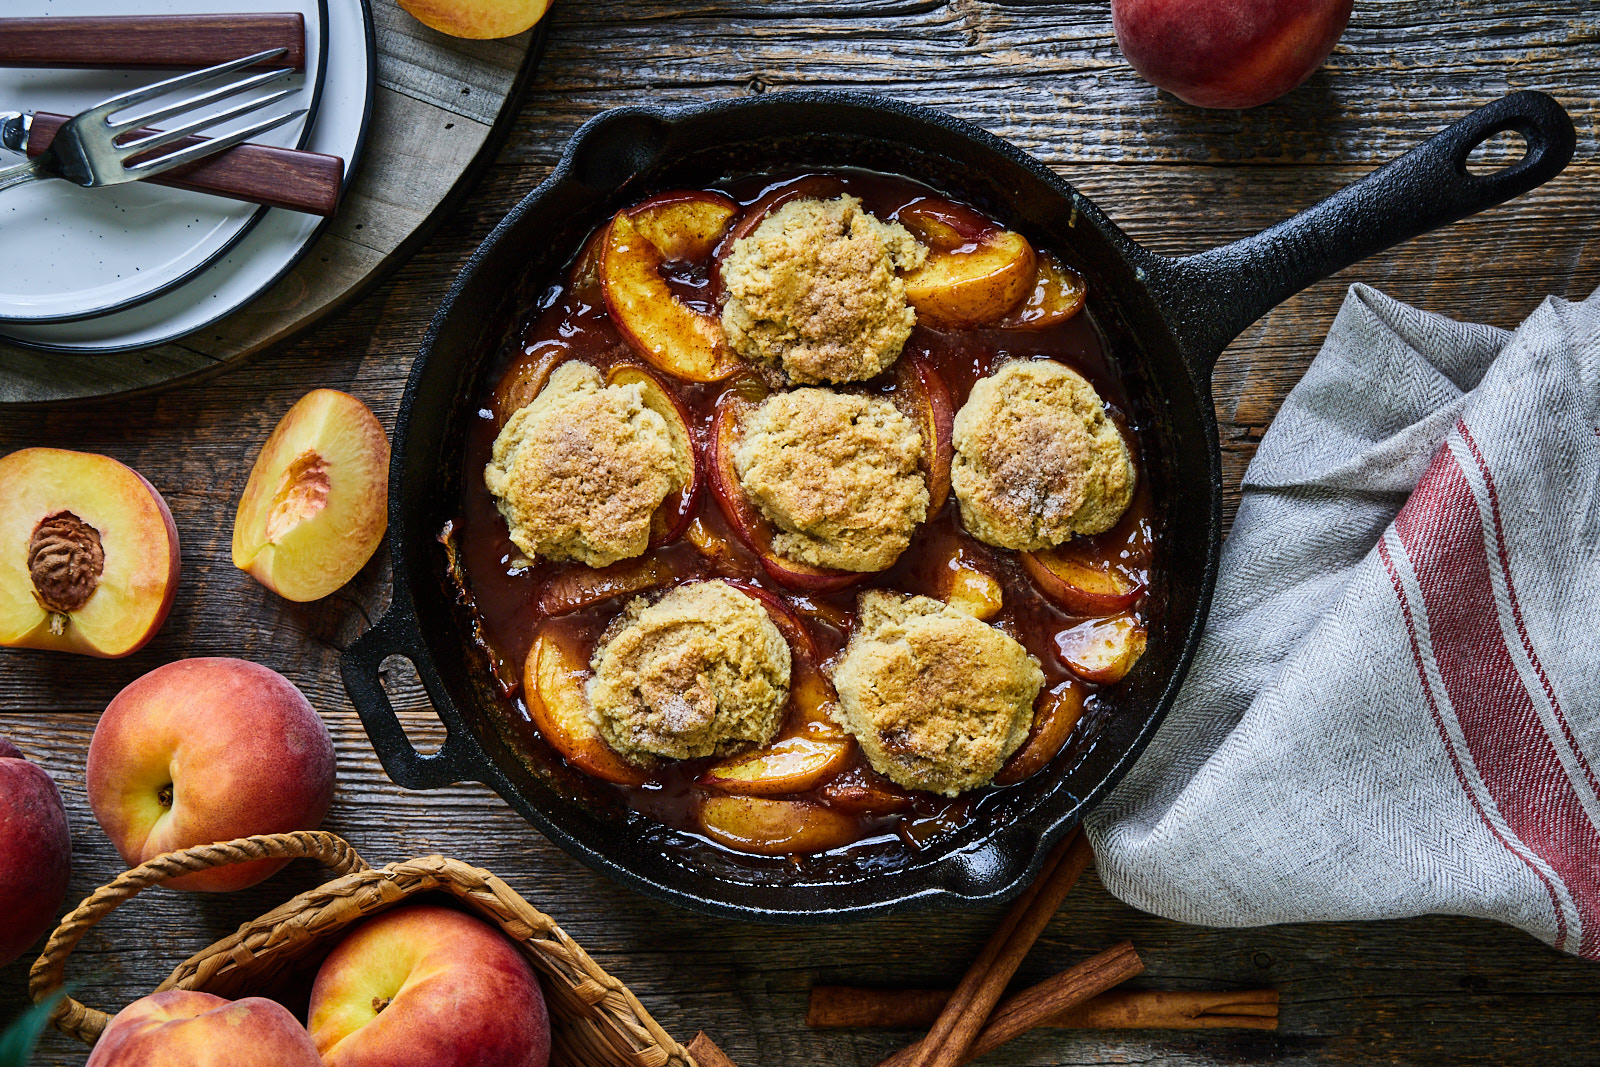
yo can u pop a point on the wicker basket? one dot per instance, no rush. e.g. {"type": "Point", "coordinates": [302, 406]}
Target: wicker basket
{"type": "Point", "coordinates": [595, 1021]}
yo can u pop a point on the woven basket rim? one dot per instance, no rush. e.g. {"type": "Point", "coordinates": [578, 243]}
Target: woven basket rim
{"type": "Point", "coordinates": [611, 1025]}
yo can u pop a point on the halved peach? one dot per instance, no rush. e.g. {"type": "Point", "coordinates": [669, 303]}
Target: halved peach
{"type": "Point", "coordinates": [669, 334]}
{"type": "Point", "coordinates": [477, 19]}
{"type": "Point", "coordinates": [1057, 712]}
{"type": "Point", "coordinates": [861, 792]}
{"type": "Point", "coordinates": [975, 271]}
{"type": "Point", "coordinates": [1081, 587]}
{"type": "Point", "coordinates": [789, 765]}
{"type": "Point", "coordinates": [677, 511]}
{"type": "Point", "coordinates": [552, 684]}
{"type": "Point", "coordinates": [774, 827]}
{"type": "Point", "coordinates": [1102, 650]}
{"type": "Point", "coordinates": [88, 554]}
{"type": "Point", "coordinates": [1057, 294]}
{"type": "Point", "coordinates": [580, 586]}
{"type": "Point", "coordinates": [746, 520]}
{"type": "Point", "coordinates": [317, 502]}
{"type": "Point", "coordinates": [921, 395]}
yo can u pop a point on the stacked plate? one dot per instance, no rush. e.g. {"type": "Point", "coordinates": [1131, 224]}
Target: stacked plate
{"type": "Point", "coordinates": [108, 270]}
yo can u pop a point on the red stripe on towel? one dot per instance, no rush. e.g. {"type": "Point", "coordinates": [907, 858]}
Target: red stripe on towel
{"type": "Point", "coordinates": [1442, 532]}
{"type": "Point", "coordinates": [1516, 608]}
{"type": "Point", "coordinates": [1450, 749]}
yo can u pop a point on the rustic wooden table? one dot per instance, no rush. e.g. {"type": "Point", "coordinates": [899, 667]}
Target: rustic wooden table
{"type": "Point", "coordinates": [1046, 74]}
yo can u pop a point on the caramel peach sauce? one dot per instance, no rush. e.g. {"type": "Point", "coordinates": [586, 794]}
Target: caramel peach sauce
{"type": "Point", "coordinates": [512, 605]}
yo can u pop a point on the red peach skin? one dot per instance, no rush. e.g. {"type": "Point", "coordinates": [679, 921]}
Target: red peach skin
{"type": "Point", "coordinates": [428, 985]}
{"type": "Point", "coordinates": [1228, 53]}
{"type": "Point", "coordinates": [206, 750]}
{"type": "Point", "coordinates": [185, 1028]}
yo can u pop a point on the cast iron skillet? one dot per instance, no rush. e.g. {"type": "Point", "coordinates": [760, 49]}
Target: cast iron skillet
{"type": "Point", "coordinates": [1164, 321]}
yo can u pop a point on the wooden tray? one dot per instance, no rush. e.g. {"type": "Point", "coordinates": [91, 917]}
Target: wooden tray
{"type": "Point", "coordinates": [441, 110]}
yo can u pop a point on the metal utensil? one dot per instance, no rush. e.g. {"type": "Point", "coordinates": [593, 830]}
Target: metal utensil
{"type": "Point", "coordinates": [87, 152]}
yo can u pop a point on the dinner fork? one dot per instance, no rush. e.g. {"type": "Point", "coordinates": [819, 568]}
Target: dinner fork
{"type": "Point", "coordinates": [86, 150]}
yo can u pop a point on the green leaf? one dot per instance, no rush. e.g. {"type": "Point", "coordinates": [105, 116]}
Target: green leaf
{"type": "Point", "coordinates": [17, 1043]}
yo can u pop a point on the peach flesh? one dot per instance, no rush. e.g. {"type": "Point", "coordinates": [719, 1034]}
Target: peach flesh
{"type": "Point", "coordinates": [477, 19]}
{"type": "Point", "coordinates": [88, 554]}
{"type": "Point", "coordinates": [316, 505]}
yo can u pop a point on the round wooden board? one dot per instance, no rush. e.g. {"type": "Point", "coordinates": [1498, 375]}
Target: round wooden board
{"type": "Point", "coordinates": [440, 110]}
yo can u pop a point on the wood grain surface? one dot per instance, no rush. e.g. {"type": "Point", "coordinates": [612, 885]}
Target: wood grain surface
{"type": "Point", "coordinates": [1429, 990]}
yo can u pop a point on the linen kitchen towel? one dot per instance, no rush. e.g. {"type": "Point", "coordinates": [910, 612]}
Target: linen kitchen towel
{"type": "Point", "coordinates": [1395, 709]}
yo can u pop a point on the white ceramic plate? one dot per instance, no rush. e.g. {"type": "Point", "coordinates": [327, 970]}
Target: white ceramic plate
{"type": "Point", "coordinates": [70, 253]}
{"type": "Point", "coordinates": [272, 247]}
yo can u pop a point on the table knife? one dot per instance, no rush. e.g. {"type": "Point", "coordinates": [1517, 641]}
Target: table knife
{"type": "Point", "coordinates": [145, 41]}
{"type": "Point", "coordinates": [256, 173]}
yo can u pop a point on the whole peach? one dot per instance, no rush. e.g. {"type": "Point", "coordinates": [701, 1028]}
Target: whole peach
{"type": "Point", "coordinates": [428, 986]}
{"type": "Point", "coordinates": [1228, 53]}
{"type": "Point", "coordinates": [35, 852]}
{"type": "Point", "coordinates": [205, 750]}
{"type": "Point", "coordinates": [180, 1028]}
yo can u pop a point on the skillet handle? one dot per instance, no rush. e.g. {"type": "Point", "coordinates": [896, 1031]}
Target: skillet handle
{"type": "Point", "coordinates": [1212, 297]}
{"type": "Point", "coordinates": [396, 635]}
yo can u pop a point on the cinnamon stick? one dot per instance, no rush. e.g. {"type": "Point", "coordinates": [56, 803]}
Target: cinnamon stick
{"type": "Point", "coordinates": [969, 1007]}
{"type": "Point", "coordinates": [1031, 1007]}
{"type": "Point", "coordinates": [706, 1053]}
{"type": "Point", "coordinates": [1145, 1009]}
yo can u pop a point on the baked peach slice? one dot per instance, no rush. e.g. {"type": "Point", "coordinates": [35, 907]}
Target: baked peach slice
{"type": "Point", "coordinates": [922, 396]}
{"type": "Point", "coordinates": [772, 827]}
{"type": "Point", "coordinates": [1064, 576]}
{"type": "Point", "coordinates": [1102, 650]}
{"type": "Point", "coordinates": [792, 765]}
{"type": "Point", "coordinates": [317, 502]}
{"type": "Point", "coordinates": [672, 518]}
{"type": "Point", "coordinates": [670, 335]}
{"type": "Point", "coordinates": [746, 520]}
{"type": "Point", "coordinates": [1057, 294]}
{"type": "Point", "coordinates": [552, 685]}
{"type": "Point", "coordinates": [859, 791]}
{"type": "Point", "coordinates": [580, 586]}
{"type": "Point", "coordinates": [1057, 713]}
{"type": "Point", "coordinates": [969, 587]}
{"type": "Point", "coordinates": [975, 271]}
{"type": "Point", "coordinates": [88, 554]}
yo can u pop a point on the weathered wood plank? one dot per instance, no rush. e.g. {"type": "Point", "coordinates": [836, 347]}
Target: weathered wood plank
{"type": "Point", "coordinates": [1349, 991]}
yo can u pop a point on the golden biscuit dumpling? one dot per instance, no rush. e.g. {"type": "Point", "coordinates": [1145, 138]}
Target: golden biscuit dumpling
{"type": "Point", "coordinates": [937, 699]}
{"type": "Point", "coordinates": [578, 472]}
{"type": "Point", "coordinates": [838, 474]}
{"type": "Point", "coordinates": [814, 291]}
{"type": "Point", "coordinates": [1037, 459]}
{"type": "Point", "coordinates": [703, 671]}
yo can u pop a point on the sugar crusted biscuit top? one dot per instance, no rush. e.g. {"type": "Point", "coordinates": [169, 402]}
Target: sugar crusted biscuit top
{"type": "Point", "coordinates": [701, 672]}
{"type": "Point", "coordinates": [937, 699]}
{"type": "Point", "coordinates": [813, 290]}
{"type": "Point", "coordinates": [578, 472]}
{"type": "Point", "coordinates": [838, 474]}
{"type": "Point", "coordinates": [1037, 459]}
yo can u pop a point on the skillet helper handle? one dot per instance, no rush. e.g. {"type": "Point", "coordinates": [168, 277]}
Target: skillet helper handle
{"type": "Point", "coordinates": [1215, 295]}
{"type": "Point", "coordinates": [151, 41]}
{"type": "Point", "coordinates": [396, 635]}
{"type": "Point", "coordinates": [256, 173]}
